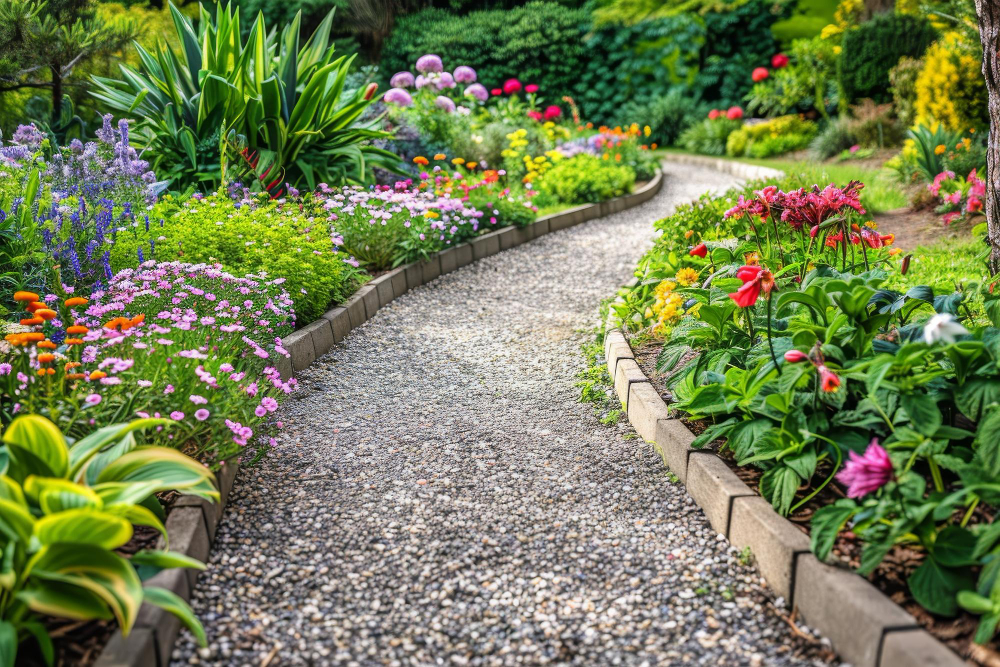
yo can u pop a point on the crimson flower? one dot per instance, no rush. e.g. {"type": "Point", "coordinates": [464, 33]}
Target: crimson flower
{"type": "Point", "coordinates": [779, 60]}
{"type": "Point", "coordinates": [552, 111]}
{"type": "Point", "coordinates": [795, 356]}
{"type": "Point", "coordinates": [713, 114]}
{"type": "Point", "coordinates": [496, 91]}
{"type": "Point", "coordinates": [511, 86]}
{"type": "Point", "coordinates": [867, 473]}
{"type": "Point", "coordinates": [759, 74]}
{"type": "Point", "coordinates": [734, 113]}
{"type": "Point", "coordinates": [700, 250]}
{"type": "Point", "coordinates": [531, 88]}
{"type": "Point", "coordinates": [799, 207]}
{"type": "Point", "coordinates": [755, 279]}
{"type": "Point", "coordinates": [536, 115]}
{"type": "Point", "coordinates": [828, 380]}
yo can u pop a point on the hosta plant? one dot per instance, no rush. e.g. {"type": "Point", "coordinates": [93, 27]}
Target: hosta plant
{"type": "Point", "coordinates": [65, 508]}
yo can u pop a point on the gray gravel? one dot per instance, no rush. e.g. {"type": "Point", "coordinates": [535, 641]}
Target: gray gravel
{"type": "Point", "coordinates": [440, 496]}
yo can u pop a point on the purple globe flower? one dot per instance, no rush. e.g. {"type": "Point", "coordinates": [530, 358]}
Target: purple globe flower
{"type": "Point", "coordinates": [477, 90]}
{"type": "Point", "coordinates": [422, 81]}
{"type": "Point", "coordinates": [398, 96]}
{"type": "Point", "coordinates": [465, 74]}
{"type": "Point", "coordinates": [429, 63]}
{"type": "Point", "coordinates": [444, 103]}
{"type": "Point", "coordinates": [445, 80]}
{"type": "Point", "coordinates": [401, 80]}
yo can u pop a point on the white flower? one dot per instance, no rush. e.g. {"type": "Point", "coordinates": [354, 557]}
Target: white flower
{"type": "Point", "coordinates": [943, 326]}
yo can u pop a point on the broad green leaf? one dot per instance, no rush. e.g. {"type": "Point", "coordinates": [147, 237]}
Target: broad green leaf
{"type": "Point", "coordinates": [8, 644]}
{"type": "Point", "coordinates": [11, 490]}
{"type": "Point", "coordinates": [955, 547]}
{"type": "Point", "coordinates": [38, 447]}
{"type": "Point", "coordinates": [15, 521]}
{"type": "Point", "coordinates": [138, 515]}
{"type": "Point", "coordinates": [168, 601]}
{"type": "Point", "coordinates": [55, 495]}
{"type": "Point", "coordinates": [778, 485]}
{"type": "Point", "coordinates": [62, 600]}
{"type": "Point", "coordinates": [923, 412]}
{"type": "Point", "coordinates": [170, 467]}
{"type": "Point", "coordinates": [976, 395]}
{"type": "Point", "coordinates": [84, 526]}
{"type": "Point", "coordinates": [165, 560]}
{"type": "Point", "coordinates": [935, 587]}
{"type": "Point", "coordinates": [41, 635]}
{"type": "Point", "coordinates": [827, 523]}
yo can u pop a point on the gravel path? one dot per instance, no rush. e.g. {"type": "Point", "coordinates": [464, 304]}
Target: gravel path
{"type": "Point", "coordinates": [440, 496]}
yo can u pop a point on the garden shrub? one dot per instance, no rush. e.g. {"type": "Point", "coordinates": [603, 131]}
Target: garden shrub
{"type": "Point", "coordinates": [709, 136]}
{"type": "Point", "coordinates": [773, 137]}
{"type": "Point", "coordinates": [836, 137]}
{"type": "Point", "coordinates": [667, 115]}
{"type": "Point", "coordinates": [874, 125]}
{"type": "Point", "coordinates": [248, 237]}
{"type": "Point", "coordinates": [809, 81]}
{"type": "Point", "coordinates": [950, 87]}
{"type": "Point", "coordinates": [584, 179]}
{"type": "Point", "coordinates": [903, 80]}
{"type": "Point", "coordinates": [875, 47]}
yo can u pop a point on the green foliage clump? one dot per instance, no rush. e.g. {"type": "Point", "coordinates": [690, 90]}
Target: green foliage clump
{"type": "Point", "coordinates": [583, 179]}
{"type": "Point", "coordinates": [875, 47]}
{"type": "Point", "coordinates": [808, 82]}
{"type": "Point", "coordinates": [903, 80]}
{"type": "Point", "coordinates": [836, 137]}
{"type": "Point", "coordinates": [248, 237]}
{"type": "Point", "coordinates": [667, 115]}
{"type": "Point", "coordinates": [709, 136]}
{"type": "Point", "coordinates": [773, 137]}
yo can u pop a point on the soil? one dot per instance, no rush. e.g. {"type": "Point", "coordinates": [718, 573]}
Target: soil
{"type": "Point", "coordinates": [890, 577]}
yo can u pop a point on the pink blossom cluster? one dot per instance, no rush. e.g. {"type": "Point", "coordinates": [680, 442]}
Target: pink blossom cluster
{"type": "Point", "coordinates": [959, 197]}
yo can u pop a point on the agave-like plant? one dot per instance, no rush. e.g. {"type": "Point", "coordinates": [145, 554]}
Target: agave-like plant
{"type": "Point", "coordinates": [285, 101]}
{"type": "Point", "coordinates": [65, 509]}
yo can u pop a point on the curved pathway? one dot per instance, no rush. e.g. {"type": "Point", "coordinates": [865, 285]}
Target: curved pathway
{"type": "Point", "coordinates": [440, 496]}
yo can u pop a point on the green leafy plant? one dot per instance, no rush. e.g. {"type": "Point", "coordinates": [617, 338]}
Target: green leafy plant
{"type": "Point", "coordinates": [582, 179]}
{"type": "Point", "coordinates": [64, 510]}
{"type": "Point", "coordinates": [929, 157]}
{"type": "Point", "coordinates": [875, 47]}
{"type": "Point", "coordinates": [285, 102]}
{"type": "Point", "coordinates": [709, 136]}
{"type": "Point", "coordinates": [773, 137]}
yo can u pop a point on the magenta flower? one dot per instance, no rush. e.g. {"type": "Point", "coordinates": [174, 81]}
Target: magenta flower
{"type": "Point", "coordinates": [401, 80]}
{"type": "Point", "coordinates": [868, 473]}
{"type": "Point", "coordinates": [5, 369]}
{"type": "Point", "coordinates": [260, 411]}
{"type": "Point", "coordinates": [465, 74]}
{"type": "Point", "coordinates": [201, 414]}
{"type": "Point", "coordinates": [177, 415]}
{"type": "Point", "coordinates": [198, 400]}
{"type": "Point", "coordinates": [429, 63]}
{"type": "Point", "coordinates": [93, 399]}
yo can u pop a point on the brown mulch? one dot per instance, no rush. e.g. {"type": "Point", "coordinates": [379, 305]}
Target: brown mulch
{"type": "Point", "coordinates": [890, 577]}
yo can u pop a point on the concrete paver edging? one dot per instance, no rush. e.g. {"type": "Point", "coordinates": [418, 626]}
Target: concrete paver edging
{"type": "Point", "coordinates": [192, 522]}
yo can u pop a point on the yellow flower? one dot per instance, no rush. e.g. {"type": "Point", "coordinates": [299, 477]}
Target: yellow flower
{"type": "Point", "coordinates": [939, 149]}
{"type": "Point", "coordinates": [430, 214]}
{"type": "Point", "coordinates": [687, 276]}
{"type": "Point", "coordinates": [646, 130]}
{"type": "Point", "coordinates": [457, 160]}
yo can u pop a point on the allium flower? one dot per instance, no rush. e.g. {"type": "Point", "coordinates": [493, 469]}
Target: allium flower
{"type": "Point", "coordinates": [397, 96]}
{"type": "Point", "coordinates": [401, 80]}
{"type": "Point", "coordinates": [465, 74]}
{"type": "Point", "coordinates": [759, 74]}
{"type": "Point", "coordinates": [445, 80]}
{"type": "Point", "coordinates": [511, 86]}
{"type": "Point", "coordinates": [429, 63]}
{"type": "Point", "coordinates": [943, 327]}
{"type": "Point", "coordinates": [423, 81]}
{"type": "Point", "coordinates": [444, 103]}
{"type": "Point", "coordinates": [779, 60]}
{"type": "Point", "coordinates": [867, 473]}
{"type": "Point", "coordinates": [478, 91]}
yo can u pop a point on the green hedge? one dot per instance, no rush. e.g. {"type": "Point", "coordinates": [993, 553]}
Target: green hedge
{"type": "Point", "coordinates": [874, 48]}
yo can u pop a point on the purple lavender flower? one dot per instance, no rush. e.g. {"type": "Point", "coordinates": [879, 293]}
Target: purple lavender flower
{"type": "Point", "coordinates": [28, 136]}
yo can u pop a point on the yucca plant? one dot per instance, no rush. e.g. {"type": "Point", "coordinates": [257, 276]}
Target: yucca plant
{"type": "Point", "coordinates": [285, 100]}
{"type": "Point", "coordinates": [65, 509]}
{"type": "Point", "coordinates": [927, 141]}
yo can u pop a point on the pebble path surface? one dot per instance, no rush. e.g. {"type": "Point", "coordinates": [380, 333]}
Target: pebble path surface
{"type": "Point", "coordinates": [440, 497]}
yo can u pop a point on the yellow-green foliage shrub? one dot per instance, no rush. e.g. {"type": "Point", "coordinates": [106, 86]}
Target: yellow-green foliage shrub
{"type": "Point", "coordinates": [950, 87]}
{"type": "Point", "coordinates": [772, 137]}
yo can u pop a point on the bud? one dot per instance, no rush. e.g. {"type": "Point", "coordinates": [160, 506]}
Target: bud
{"type": "Point", "coordinates": [370, 91]}
{"type": "Point", "coordinates": [795, 356]}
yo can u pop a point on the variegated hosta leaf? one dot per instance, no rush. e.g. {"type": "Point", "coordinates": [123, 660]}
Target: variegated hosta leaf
{"type": "Point", "coordinates": [171, 468]}
{"type": "Point", "coordinates": [54, 598]}
{"type": "Point", "coordinates": [8, 644]}
{"type": "Point", "coordinates": [168, 601]}
{"type": "Point", "coordinates": [15, 521]}
{"type": "Point", "coordinates": [90, 568]}
{"type": "Point", "coordinates": [138, 515]}
{"type": "Point", "coordinates": [164, 560]}
{"type": "Point", "coordinates": [132, 493]}
{"type": "Point", "coordinates": [36, 446]}
{"type": "Point", "coordinates": [98, 445]}
{"type": "Point", "coordinates": [55, 495]}
{"type": "Point", "coordinates": [83, 526]}
{"type": "Point", "coordinates": [11, 490]}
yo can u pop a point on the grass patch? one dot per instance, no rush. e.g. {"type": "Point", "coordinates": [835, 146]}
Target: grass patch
{"type": "Point", "coordinates": [943, 265]}
{"type": "Point", "coordinates": [596, 385]}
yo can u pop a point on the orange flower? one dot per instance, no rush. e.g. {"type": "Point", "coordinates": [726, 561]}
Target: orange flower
{"type": "Point", "coordinates": [115, 323]}
{"type": "Point", "coordinates": [97, 375]}
{"type": "Point", "coordinates": [135, 321]}
{"type": "Point", "coordinates": [34, 305]}
{"type": "Point", "coordinates": [46, 314]}
{"type": "Point", "coordinates": [653, 146]}
{"type": "Point", "coordinates": [75, 376]}
{"type": "Point", "coordinates": [32, 336]}
{"type": "Point", "coordinates": [32, 321]}
{"type": "Point", "coordinates": [74, 341]}
{"type": "Point", "coordinates": [420, 159]}
{"type": "Point", "coordinates": [47, 344]}
{"type": "Point", "coordinates": [25, 296]}
{"type": "Point", "coordinates": [46, 358]}
{"type": "Point", "coordinates": [71, 364]}
{"type": "Point", "coordinates": [77, 329]}
{"type": "Point", "coordinates": [75, 301]}
{"type": "Point", "coordinates": [440, 156]}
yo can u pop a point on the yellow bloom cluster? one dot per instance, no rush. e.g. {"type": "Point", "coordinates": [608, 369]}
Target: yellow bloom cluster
{"type": "Point", "coordinates": [668, 305]}
{"type": "Point", "coordinates": [950, 87]}
{"type": "Point", "coordinates": [515, 141]}
{"type": "Point", "coordinates": [848, 13]}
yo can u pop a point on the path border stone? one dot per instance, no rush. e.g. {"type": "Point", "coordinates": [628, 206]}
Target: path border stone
{"type": "Point", "coordinates": [192, 522]}
{"type": "Point", "coordinates": [866, 628]}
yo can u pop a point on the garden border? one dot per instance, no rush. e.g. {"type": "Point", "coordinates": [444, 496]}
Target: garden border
{"type": "Point", "coordinates": [866, 628]}
{"type": "Point", "coordinates": [192, 521]}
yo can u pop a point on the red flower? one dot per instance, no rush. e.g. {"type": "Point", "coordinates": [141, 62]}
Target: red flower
{"type": "Point", "coordinates": [795, 356]}
{"type": "Point", "coordinates": [531, 88]}
{"type": "Point", "coordinates": [828, 380]}
{"type": "Point", "coordinates": [713, 114]}
{"type": "Point", "coordinates": [552, 111]}
{"type": "Point", "coordinates": [734, 113]}
{"type": "Point", "coordinates": [779, 60]}
{"type": "Point", "coordinates": [700, 250]}
{"type": "Point", "coordinates": [511, 86]}
{"type": "Point", "coordinates": [536, 115]}
{"type": "Point", "coordinates": [496, 91]}
{"type": "Point", "coordinates": [760, 74]}
{"type": "Point", "coordinates": [755, 279]}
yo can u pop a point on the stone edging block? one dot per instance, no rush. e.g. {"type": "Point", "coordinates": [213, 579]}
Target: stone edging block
{"type": "Point", "coordinates": [300, 345]}
{"type": "Point", "coordinates": [866, 628]}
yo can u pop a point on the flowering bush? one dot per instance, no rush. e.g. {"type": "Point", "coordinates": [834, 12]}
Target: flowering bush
{"type": "Point", "coordinates": [772, 137]}
{"type": "Point", "coordinates": [960, 197]}
{"type": "Point", "coordinates": [184, 341]}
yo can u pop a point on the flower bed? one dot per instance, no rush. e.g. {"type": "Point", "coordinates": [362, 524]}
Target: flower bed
{"type": "Point", "coordinates": [867, 413]}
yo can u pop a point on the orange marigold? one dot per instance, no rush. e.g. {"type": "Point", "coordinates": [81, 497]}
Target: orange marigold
{"type": "Point", "coordinates": [97, 375]}
{"type": "Point", "coordinates": [77, 329]}
{"type": "Point", "coordinates": [71, 364]}
{"type": "Point", "coordinates": [74, 341]}
{"type": "Point", "coordinates": [75, 376]}
{"type": "Point", "coordinates": [420, 159]}
{"type": "Point", "coordinates": [25, 296]}
{"type": "Point", "coordinates": [46, 358]}
{"type": "Point", "coordinates": [34, 305]}
{"type": "Point", "coordinates": [32, 321]}
{"type": "Point", "coordinates": [47, 344]}
{"type": "Point", "coordinates": [33, 336]}
{"type": "Point", "coordinates": [75, 301]}
{"type": "Point", "coordinates": [440, 156]}
{"type": "Point", "coordinates": [46, 314]}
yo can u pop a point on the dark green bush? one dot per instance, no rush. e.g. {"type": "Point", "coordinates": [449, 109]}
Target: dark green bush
{"type": "Point", "coordinates": [667, 116]}
{"type": "Point", "coordinates": [875, 47]}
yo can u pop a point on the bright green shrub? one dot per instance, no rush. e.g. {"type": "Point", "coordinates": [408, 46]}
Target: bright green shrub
{"type": "Point", "coordinates": [584, 179]}
{"type": "Point", "coordinates": [245, 238]}
{"type": "Point", "coordinates": [773, 137]}
{"type": "Point", "coordinates": [875, 47]}
{"type": "Point", "coordinates": [709, 136]}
